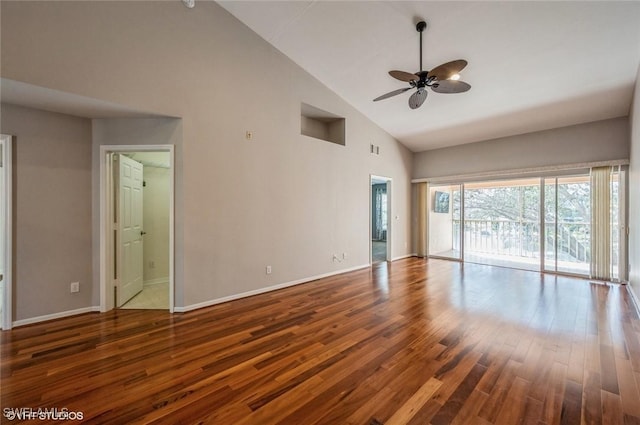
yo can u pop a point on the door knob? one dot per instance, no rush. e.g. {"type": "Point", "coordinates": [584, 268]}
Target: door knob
{"type": "Point", "coordinates": [142, 233]}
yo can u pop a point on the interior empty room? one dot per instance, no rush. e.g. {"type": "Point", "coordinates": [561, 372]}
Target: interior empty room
{"type": "Point", "coordinates": [320, 212]}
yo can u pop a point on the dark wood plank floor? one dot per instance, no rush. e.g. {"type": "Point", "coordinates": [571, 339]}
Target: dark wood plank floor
{"type": "Point", "coordinates": [413, 342]}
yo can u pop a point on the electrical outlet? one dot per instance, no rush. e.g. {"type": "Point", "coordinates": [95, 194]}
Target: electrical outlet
{"type": "Point", "coordinates": [268, 269]}
{"type": "Point", "coordinates": [74, 287]}
{"type": "Point", "coordinates": [344, 255]}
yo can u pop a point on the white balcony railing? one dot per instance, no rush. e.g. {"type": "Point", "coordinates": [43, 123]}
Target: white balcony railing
{"type": "Point", "coordinates": [522, 239]}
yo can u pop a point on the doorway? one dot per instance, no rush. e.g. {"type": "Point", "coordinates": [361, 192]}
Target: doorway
{"type": "Point", "coordinates": [6, 319]}
{"type": "Point", "coordinates": [136, 215]}
{"type": "Point", "coordinates": [380, 208]}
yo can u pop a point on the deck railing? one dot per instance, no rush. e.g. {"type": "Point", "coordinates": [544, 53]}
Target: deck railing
{"type": "Point", "coordinates": [522, 238]}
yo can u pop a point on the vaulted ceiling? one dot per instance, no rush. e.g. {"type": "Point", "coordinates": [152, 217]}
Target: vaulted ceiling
{"type": "Point", "coordinates": [532, 65]}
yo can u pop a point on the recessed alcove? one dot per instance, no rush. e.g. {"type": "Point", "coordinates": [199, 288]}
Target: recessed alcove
{"type": "Point", "coordinates": [322, 125]}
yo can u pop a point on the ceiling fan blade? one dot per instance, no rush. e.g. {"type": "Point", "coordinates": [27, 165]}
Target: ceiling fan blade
{"type": "Point", "coordinates": [391, 94]}
{"type": "Point", "coordinates": [404, 76]}
{"type": "Point", "coordinates": [417, 99]}
{"type": "Point", "coordinates": [451, 86]}
{"type": "Point", "coordinates": [446, 70]}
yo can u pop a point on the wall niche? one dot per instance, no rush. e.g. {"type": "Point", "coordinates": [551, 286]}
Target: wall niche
{"type": "Point", "coordinates": [322, 125]}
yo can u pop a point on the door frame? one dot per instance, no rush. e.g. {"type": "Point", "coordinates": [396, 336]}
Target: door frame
{"type": "Point", "coordinates": [388, 180]}
{"type": "Point", "coordinates": [7, 298]}
{"type": "Point", "coordinates": [107, 252]}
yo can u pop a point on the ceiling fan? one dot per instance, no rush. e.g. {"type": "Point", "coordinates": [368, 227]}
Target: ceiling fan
{"type": "Point", "coordinates": [441, 79]}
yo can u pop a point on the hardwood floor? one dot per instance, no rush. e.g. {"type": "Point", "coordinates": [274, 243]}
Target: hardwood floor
{"type": "Point", "coordinates": [409, 342]}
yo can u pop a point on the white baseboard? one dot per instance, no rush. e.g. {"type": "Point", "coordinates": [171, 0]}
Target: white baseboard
{"type": "Point", "coordinates": [156, 281]}
{"type": "Point", "coordinates": [264, 290]}
{"type": "Point", "coordinates": [402, 257]}
{"type": "Point", "coordinates": [634, 297]}
{"type": "Point", "coordinates": [59, 315]}
{"type": "Point", "coordinates": [203, 304]}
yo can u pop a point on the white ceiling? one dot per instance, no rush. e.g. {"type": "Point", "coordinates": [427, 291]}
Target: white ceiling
{"type": "Point", "coordinates": [532, 65]}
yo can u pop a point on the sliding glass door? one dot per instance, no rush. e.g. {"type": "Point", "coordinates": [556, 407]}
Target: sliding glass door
{"type": "Point", "coordinates": [502, 223]}
{"type": "Point", "coordinates": [567, 215]}
{"type": "Point", "coordinates": [540, 224]}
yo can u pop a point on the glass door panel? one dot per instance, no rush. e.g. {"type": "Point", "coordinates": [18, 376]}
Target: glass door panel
{"type": "Point", "coordinates": [502, 223]}
{"type": "Point", "coordinates": [568, 224]}
{"type": "Point", "coordinates": [550, 230]}
{"type": "Point", "coordinates": [444, 209]}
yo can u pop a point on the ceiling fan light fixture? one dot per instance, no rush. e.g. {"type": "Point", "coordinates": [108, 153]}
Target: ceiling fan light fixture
{"type": "Point", "coordinates": [189, 3]}
{"type": "Point", "coordinates": [444, 78]}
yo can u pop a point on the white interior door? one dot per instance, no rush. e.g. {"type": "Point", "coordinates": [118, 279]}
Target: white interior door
{"type": "Point", "coordinates": [130, 229]}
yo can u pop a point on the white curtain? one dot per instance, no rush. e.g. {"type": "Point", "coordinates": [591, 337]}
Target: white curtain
{"type": "Point", "coordinates": [601, 223]}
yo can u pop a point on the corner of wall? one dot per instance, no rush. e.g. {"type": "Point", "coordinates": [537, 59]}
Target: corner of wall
{"type": "Point", "coordinates": [634, 196]}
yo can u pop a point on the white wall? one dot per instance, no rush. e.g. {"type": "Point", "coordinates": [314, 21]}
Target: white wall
{"type": "Point", "coordinates": [52, 217]}
{"type": "Point", "coordinates": [595, 141]}
{"type": "Point", "coordinates": [156, 224]}
{"type": "Point", "coordinates": [634, 192]}
{"type": "Point", "coordinates": [281, 199]}
{"type": "Point", "coordinates": [440, 230]}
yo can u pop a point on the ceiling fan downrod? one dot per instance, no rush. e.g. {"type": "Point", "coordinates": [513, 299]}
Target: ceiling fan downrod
{"type": "Point", "coordinates": [420, 27]}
